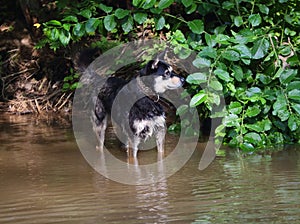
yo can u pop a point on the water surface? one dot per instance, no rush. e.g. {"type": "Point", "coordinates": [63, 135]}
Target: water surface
{"type": "Point", "coordinates": [45, 179]}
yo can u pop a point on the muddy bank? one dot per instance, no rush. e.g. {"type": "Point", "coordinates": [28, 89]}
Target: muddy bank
{"type": "Point", "coordinates": [31, 80]}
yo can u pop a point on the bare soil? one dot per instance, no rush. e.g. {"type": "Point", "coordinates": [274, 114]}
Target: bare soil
{"type": "Point", "coordinates": [31, 80]}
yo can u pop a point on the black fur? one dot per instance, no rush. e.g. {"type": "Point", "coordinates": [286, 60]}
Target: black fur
{"type": "Point", "coordinates": [146, 116]}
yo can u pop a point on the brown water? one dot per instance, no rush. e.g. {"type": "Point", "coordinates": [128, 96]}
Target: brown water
{"type": "Point", "coordinates": [44, 179]}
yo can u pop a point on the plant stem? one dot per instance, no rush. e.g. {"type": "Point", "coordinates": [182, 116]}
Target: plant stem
{"type": "Point", "coordinates": [174, 17]}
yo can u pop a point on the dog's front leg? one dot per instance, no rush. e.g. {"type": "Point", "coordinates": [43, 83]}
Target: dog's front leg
{"type": "Point", "coordinates": [160, 139]}
{"type": "Point", "coordinates": [133, 148]}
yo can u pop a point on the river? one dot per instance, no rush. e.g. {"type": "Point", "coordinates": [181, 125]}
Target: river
{"type": "Point", "coordinates": [44, 178]}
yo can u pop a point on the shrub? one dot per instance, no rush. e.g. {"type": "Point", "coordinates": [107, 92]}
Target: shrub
{"type": "Point", "coordinates": [249, 48]}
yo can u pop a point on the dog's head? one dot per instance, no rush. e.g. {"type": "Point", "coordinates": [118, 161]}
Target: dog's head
{"type": "Point", "coordinates": [161, 76]}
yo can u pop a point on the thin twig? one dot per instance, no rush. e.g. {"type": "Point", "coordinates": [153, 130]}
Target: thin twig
{"type": "Point", "coordinates": [18, 73]}
{"type": "Point", "coordinates": [66, 100]}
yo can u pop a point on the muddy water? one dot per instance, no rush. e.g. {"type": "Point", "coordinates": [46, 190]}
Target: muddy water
{"type": "Point", "coordinates": [44, 179]}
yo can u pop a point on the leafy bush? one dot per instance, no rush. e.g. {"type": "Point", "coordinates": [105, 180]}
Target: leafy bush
{"type": "Point", "coordinates": [249, 49]}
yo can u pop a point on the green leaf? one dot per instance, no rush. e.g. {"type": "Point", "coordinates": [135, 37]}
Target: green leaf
{"type": "Point", "coordinates": [160, 23]}
{"type": "Point", "coordinates": [208, 52]}
{"type": "Point", "coordinates": [253, 138]}
{"type": "Point", "coordinates": [231, 88]}
{"type": "Point", "coordinates": [67, 26]}
{"type": "Point", "coordinates": [182, 110]}
{"type": "Point", "coordinates": [198, 98]}
{"type": "Point", "coordinates": [257, 127]}
{"type": "Point", "coordinates": [66, 86]}
{"type": "Point", "coordinates": [187, 3]}
{"type": "Point", "coordinates": [64, 37]}
{"type": "Point", "coordinates": [265, 79]}
{"type": "Point", "coordinates": [280, 108]}
{"type": "Point", "coordinates": [255, 19]}
{"type": "Point", "coordinates": [224, 75]}
{"type": "Point", "coordinates": [245, 36]}
{"type": "Point", "coordinates": [128, 25]}
{"type": "Point", "coordinates": [222, 39]}
{"type": "Point", "coordinates": [263, 9]}
{"type": "Point", "coordinates": [253, 111]}
{"type": "Point", "coordinates": [216, 85]}
{"type": "Point", "coordinates": [292, 123]}
{"type": "Point", "coordinates": [296, 107]}
{"type": "Point", "coordinates": [196, 78]}
{"type": "Point", "coordinates": [238, 72]}
{"type": "Point", "coordinates": [293, 85]}
{"type": "Point", "coordinates": [287, 75]}
{"type": "Point", "coordinates": [210, 40]}
{"type": "Point", "coordinates": [235, 108]}
{"type": "Point", "coordinates": [140, 17]}
{"type": "Point", "coordinates": [192, 8]}
{"type": "Point", "coordinates": [105, 8]}
{"type": "Point", "coordinates": [70, 19]}
{"type": "Point", "coordinates": [53, 22]}
{"type": "Point", "coordinates": [137, 2]}
{"type": "Point", "coordinates": [109, 22]}
{"type": "Point", "coordinates": [243, 50]}
{"type": "Point", "coordinates": [121, 13]}
{"type": "Point", "coordinates": [164, 4]}
{"type": "Point", "coordinates": [91, 25]}
{"type": "Point", "coordinates": [196, 26]}
{"type": "Point", "coordinates": [253, 94]}
{"type": "Point", "coordinates": [79, 30]}
{"type": "Point", "coordinates": [213, 99]}
{"type": "Point", "coordinates": [228, 5]}
{"type": "Point", "coordinates": [175, 128]}
{"type": "Point", "coordinates": [86, 13]}
{"type": "Point", "coordinates": [201, 62]}
{"type": "Point", "coordinates": [54, 34]}
{"type": "Point", "coordinates": [246, 146]}
{"type": "Point", "coordinates": [179, 36]}
{"type": "Point", "coordinates": [231, 120]}
{"type": "Point", "coordinates": [231, 55]}
{"type": "Point", "coordinates": [294, 94]}
{"type": "Point", "coordinates": [238, 21]}
{"type": "Point", "coordinates": [148, 4]}
{"type": "Point", "coordinates": [253, 91]}
{"type": "Point", "coordinates": [260, 48]}
{"type": "Point", "coordinates": [267, 124]}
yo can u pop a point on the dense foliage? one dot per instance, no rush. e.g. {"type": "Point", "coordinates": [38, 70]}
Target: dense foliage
{"type": "Point", "coordinates": [249, 49]}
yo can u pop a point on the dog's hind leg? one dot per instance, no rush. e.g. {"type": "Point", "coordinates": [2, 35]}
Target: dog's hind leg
{"type": "Point", "coordinates": [100, 133]}
{"type": "Point", "coordinates": [99, 120]}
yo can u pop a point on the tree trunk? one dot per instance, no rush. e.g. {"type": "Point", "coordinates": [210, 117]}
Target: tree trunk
{"type": "Point", "coordinates": [30, 9]}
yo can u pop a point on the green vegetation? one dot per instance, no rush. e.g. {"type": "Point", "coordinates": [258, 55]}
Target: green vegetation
{"type": "Point", "coordinates": [250, 49]}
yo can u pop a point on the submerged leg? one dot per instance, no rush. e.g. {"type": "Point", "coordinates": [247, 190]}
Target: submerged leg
{"type": "Point", "coordinates": [134, 143]}
{"type": "Point", "coordinates": [100, 133]}
{"type": "Point", "coordinates": [160, 139]}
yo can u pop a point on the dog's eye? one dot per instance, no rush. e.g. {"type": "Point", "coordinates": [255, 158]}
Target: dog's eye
{"type": "Point", "coordinates": [167, 73]}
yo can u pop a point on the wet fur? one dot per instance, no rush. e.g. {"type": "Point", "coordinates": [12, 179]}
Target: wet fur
{"type": "Point", "coordinates": [146, 116]}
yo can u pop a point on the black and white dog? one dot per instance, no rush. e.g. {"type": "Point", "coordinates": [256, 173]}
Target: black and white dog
{"type": "Point", "coordinates": [145, 116]}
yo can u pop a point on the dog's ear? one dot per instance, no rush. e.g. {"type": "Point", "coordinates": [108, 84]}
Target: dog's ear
{"type": "Point", "coordinates": [154, 63]}
{"type": "Point", "coordinates": [150, 66]}
{"type": "Point", "coordinates": [159, 57]}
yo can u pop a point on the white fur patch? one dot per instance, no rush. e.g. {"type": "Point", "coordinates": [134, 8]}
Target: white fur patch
{"type": "Point", "coordinates": [161, 85]}
{"type": "Point", "coordinates": [153, 124]}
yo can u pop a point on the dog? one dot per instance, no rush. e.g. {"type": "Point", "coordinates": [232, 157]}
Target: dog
{"type": "Point", "coordinates": [146, 116]}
